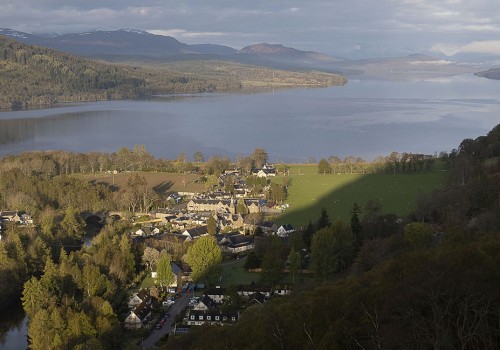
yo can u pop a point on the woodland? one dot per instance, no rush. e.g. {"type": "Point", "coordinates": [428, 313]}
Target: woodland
{"type": "Point", "coordinates": [429, 280]}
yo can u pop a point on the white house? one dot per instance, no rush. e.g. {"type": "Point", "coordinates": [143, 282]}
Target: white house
{"type": "Point", "coordinates": [285, 230]}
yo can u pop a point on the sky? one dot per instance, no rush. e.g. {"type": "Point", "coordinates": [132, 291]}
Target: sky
{"type": "Point", "coordinates": [345, 28]}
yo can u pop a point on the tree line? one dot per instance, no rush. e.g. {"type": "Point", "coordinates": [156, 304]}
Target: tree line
{"type": "Point", "coordinates": [396, 163]}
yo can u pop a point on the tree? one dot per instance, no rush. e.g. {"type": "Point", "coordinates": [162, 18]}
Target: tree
{"type": "Point", "coordinates": [150, 257]}
{"type": "Point", "coordinates": [165, 275]}
{"type": "Point", "coordinates": [259, 157]}
{"type": "Point", "coordinates": [419, 234]}
{"type": "Point", "coordinates": [212, 182]}
{"type": "Point", "coordinates": [232, 299]}
{"type": "Point", "coordinates": [212, 226]}
{"type": "Point", "coordinates": [72, 224]}
{"type": "Point", "coordinates": [324, 219]}
{"type": "Point", "coordinates": [252, 261]}
{"type": "Point", "coordinates": [198, 157]}
{"type": "Point", "coordinates": [324, 167]}
{"type": "Point", "coordinates": [273, 261]}
{"type": "Point", "coordinates": [276, 193]}
{"type": "Point", "coordinates": [241, 207]}
{"type": "Point", "coordinates": [204, 257]}
{"type": "Point", "coordinates": [355, 223]}
{"type": "Point", "coordinates": [308, 235]}
{"type": "Point", "coordinates": [332, 249]}
{"type": "Point", "coordinates": [181, 158]}
{"type": "Point", "coordinates": [294, 260]}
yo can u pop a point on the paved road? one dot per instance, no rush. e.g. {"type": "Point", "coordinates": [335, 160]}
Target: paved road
{"type": "Point", "coordinates": [156, 334]}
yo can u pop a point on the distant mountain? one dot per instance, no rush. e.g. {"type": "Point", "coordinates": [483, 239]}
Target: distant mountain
{"type": "Point", "coordinates": [414, 66]}
{"type": "Point", "coordinates": [493, 73]}
{"type": "Point", "coordinates": [132, 45]}
{"type": "Point", "coordinates": [123, 42]}
{"type": "Point", "coordinates": [288, 54]}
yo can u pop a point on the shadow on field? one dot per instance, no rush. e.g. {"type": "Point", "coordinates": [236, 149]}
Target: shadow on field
{"type": "Point", "coordinates": [163, 187]}
{"type": "Point", "coordinates": [337, 193]}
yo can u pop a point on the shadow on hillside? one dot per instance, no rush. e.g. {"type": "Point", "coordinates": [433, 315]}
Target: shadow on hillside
{"type": "Point", "coordinates": [397, 194]}
{"type": "Point", "coordinates": [163, 187]}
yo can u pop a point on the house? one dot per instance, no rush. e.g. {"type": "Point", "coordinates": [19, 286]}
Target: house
{"type": "Point", "coordinates": [249, 291]}
{"type": "Point", "coordinates": [212, 317]}
{"type": "Point", "coordinates": [282, 290]}
{"type": "Point", "coordinates": [268, 227]}
{"type": "Point", "coordinates": [10, 216]}
{"type": "Point", "coordinates": [239, 243]}
{"type": "Point", "coordinates": [257, 298]}
{"type": "Point", "coordinates": [175, 198]}
{"type": "Point", "coordinates": [223, 238]}
{"type": "Point", "coordinates": [233, 220]}
{"type": "Point", "coordinates": [212, 205]}
{"type": "Point", "coordinates": [138, 316]}
{"type": "Point", "coordinates": [216, 294]}
{"type": "Point", "coordinates": [26, 219]}
{"type": "Point", "coordinates": [264, 173]}
{"type": "Point", "coordinates": [285, 230]}
{"type": "Point", "coordinates": [205, 303]}
{"type": "Point", "coordinates": [138, 298]}
{"type": "Point", "coordinates": [195, 232]}
{"type": "Point", "coordinates": [145, 232]}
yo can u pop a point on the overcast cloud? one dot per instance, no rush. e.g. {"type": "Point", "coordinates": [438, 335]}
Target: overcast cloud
{"type": "Point", "coordinates": [339, 27]}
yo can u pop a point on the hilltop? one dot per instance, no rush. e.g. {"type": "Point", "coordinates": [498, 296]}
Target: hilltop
{"type": "Point", "coordinates": [34, 75]}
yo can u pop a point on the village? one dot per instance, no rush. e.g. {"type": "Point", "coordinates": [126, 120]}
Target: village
{"type": "Point", "coordinates": [236, 219]}
{"type": "Point", "coordinates": [236, 213]}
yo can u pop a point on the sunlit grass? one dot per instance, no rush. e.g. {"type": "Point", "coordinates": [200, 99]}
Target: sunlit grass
{"type": "Point", "coordinates": [308, 193]}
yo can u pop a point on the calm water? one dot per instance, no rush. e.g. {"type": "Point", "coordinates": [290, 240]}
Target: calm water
{"type": "Point", "coordinates": [363, 118]}
{"type": "Point", "coordinates": [13, 328]}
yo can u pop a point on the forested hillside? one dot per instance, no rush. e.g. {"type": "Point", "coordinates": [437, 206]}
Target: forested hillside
{"type": "Point", "coordinates": [31, 75]}
{"type": "Point", "coordinates": [432, 283]}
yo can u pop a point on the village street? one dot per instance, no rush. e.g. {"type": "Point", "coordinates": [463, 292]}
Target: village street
{"type": "Point", "coordinates": [156, 334]}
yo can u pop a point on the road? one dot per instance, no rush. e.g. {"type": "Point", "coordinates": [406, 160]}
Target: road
{"type": "Point", "coordinates": [156, 334]}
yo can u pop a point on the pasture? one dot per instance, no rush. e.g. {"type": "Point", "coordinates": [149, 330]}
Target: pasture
{"type": "Point", "coordinates": [309, 192]}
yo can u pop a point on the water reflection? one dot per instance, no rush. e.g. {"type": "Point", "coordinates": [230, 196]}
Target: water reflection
{"type": "Point", "coordinates": [363, 118]}
{"type": "Point", "coordinates": [13, 328]}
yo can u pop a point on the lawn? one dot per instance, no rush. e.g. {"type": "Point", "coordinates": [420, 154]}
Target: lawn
{"type": "Point", "coordinates": [233, 273]}
{"type": "Point", "coordinates": [308, 192]}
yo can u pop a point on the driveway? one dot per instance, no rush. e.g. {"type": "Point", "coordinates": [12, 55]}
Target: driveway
{"type": "Point", "coordinates": [156, 334]}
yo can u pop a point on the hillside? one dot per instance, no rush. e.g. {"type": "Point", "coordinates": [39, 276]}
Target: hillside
{"type": "Point", "coordinates": [426, 281]}
{"type": "Point", "coordinates": [32, 75]}
{"type": "Point", "coordinates": [493, 73]}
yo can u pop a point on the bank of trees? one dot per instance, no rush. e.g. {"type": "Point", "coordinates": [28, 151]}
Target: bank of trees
{"type": "Point", "coordinates": [75, 301]}
{"type": "Point", "coordinates": [396, 163]}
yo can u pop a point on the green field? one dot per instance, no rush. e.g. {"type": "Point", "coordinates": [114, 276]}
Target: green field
{"type": "Point", "coordinates": [308, 192]}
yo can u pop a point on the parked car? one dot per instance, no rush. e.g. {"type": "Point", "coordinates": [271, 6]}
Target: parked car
{"type": "Point", "coordinates": [160, 324]}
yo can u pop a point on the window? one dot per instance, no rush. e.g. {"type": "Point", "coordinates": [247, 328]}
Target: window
{"type": "Point", "coordinates": [224, 318]}
{"type": "Point", "coordinates": [192, 317]}
{"type": "Point", "coordinates": [233, 318]}
{"type": "Point", "coordinates": [217, 318]}
{"type": "Point", "coordinates": [209, 318]}
{"type": "Point", "coordinates": [200, 317]}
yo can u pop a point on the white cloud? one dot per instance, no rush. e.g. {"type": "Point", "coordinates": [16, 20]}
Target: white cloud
{"type": "Point", "coordinates": [483, 47]}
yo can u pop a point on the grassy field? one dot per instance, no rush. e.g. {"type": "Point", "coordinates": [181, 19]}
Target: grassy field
{"type": "Point", "coordinates": [233, 273]}
{"type": "Point", "coordinates": [161, 182]}
{"type": "Point", "coordinates": [308, 192]}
